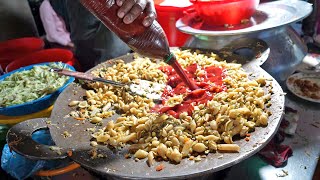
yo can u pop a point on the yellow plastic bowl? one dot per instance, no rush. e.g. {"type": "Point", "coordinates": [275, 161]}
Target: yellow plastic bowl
{"type": "Point", "coordinates": [11, 120]}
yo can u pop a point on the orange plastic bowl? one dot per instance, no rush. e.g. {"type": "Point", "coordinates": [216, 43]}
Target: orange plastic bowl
{"type": "Point", "coordinates": [222, 12]}
{"type": "Point", "coordinates": [42, 56]}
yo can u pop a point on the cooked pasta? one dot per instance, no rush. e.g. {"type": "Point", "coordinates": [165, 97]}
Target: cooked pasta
{"type": "Point", "coordinates": [211, 126]}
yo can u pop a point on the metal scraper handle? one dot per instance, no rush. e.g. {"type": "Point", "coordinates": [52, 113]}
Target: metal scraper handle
{"type": "Point", "coordinates": [143, 88]}
{"type": "Point", "coordinates": [86, 76]}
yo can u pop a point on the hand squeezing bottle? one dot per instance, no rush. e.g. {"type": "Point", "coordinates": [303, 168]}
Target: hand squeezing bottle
{"type": "Point", "coordinates": [148, 41]}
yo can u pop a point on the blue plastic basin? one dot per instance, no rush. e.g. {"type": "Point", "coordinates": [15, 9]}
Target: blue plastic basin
{"type": "Point", "coordinates": [35, 105]}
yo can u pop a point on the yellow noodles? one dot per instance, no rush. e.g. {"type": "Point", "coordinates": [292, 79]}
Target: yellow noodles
{"type": "Point", "coordinates": [211, 127]}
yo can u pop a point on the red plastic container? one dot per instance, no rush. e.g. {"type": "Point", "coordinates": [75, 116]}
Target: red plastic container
{"type": "Point", "coordinates": [168, 12]}
{"type": "Point", "coordinates": [47, 55]}
{"type": "Point", "coordinates": [15, 48]}
{"type": "Point", "coordinates": [221, 12]}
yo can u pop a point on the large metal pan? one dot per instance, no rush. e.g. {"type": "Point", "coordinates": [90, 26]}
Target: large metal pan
{"type": "Point", "coordinates": [253, 53]}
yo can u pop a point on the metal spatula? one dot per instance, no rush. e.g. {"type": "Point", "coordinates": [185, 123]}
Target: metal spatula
{"type": "Point", "coordinates": [144, 88]}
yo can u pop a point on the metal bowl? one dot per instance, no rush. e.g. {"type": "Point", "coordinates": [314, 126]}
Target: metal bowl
{"type": "Point", "coordinates": [35, 105]}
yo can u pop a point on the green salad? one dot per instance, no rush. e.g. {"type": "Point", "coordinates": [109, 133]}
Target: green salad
{"type": "Point", "coordinates": [30, 85]}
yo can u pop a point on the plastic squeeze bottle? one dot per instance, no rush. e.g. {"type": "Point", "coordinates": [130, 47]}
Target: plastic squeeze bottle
{"type": "Point", "coordinates": [148, 41]}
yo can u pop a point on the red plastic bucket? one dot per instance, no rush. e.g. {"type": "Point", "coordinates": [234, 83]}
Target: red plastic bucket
{"type": "Point", "coordinates": [16, 48]}
{"type": "Point", "coordinates": [167, 16]}
{"type": "Point", "coordinates": [46, 55]}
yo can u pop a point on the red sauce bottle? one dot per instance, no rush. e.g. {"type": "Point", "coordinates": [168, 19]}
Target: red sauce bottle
{"type": "Point", "coordinates": [148, 41]}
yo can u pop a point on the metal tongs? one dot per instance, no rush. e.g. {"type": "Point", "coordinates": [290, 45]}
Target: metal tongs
{"type": "Point", "coordinates": [144, 88]}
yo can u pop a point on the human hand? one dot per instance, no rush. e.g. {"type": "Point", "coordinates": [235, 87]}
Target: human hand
{"type": "Point", "coordinates": [70, 44]}
{"type": "Point", "coordinates": [131, 9]}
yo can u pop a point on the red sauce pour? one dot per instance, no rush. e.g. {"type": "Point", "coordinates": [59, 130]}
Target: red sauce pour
{"type": "Point", "coordinates": [179, 71]}
{"type": "Point", "coordinates": [210, 83]}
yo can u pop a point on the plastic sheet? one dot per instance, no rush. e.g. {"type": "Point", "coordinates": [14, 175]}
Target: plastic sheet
{"type": "Point", "coordinates": [20, 167]}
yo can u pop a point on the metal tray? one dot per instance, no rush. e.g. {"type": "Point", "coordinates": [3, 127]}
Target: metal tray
{"type": "Point", "coordinates": [268, 15]}
{"type": "Point", "coordinates": [115, 164]}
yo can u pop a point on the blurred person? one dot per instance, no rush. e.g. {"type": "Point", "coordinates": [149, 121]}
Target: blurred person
{"type": "Point", "coordinates": [95, 43]}
{"type": "Point", "coordinates": [316, 33]}
{"type": "Point", "coordinates": [54, 18]}
{"type": "Point", "coordinates": [310, 25]}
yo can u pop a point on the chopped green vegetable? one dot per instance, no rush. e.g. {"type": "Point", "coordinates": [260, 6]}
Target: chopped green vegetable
{"type": "Point", "coordinates": [30, 85]}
